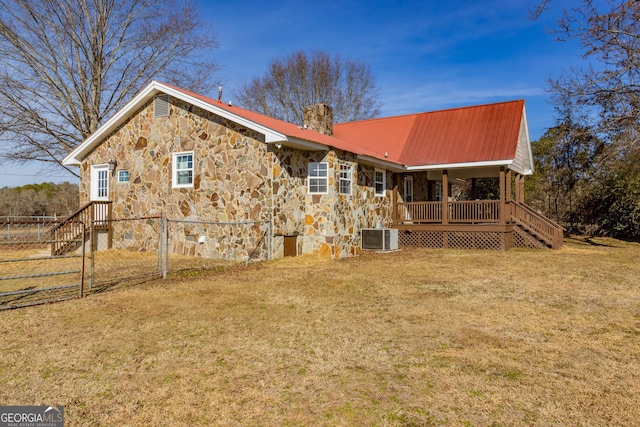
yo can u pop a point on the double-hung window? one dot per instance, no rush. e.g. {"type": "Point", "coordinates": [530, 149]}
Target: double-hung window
{"type": "Point", "coordinates": [318, 179]}
{"type": "Point", "coordinates": [345, 179]}
{"type": "Point", "coordinates": [183, 169]}
{"type": "Point", "coordinates": [380, 181]}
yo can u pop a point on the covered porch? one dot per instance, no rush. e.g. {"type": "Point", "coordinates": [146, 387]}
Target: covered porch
{"type": "Point", "coordinates": [492, 224]}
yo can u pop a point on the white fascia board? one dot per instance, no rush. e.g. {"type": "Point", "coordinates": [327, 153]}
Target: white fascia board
{"type": "Point", "coordinates": [384, 164]}
{"type": "Point", "coordinates": [461, 165]}
{"type": "Point", "coordinates": [526, 130]}
{"type": "Point", "coordinates": [75, 157]}
{"type": "Point", "coordinates": [270, 136]}
{"type": "Point", "coordinates": [301, 144]}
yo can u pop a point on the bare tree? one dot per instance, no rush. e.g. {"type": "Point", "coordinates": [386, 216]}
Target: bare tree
{"type": "Point", "coordinates": [609, 33]}
{"type": "Point", "coordinates": [67, 65]}
{"type": "Point", "coordinates": [591, 158]}
{"type": "Point", "coordinates": [299, 80]}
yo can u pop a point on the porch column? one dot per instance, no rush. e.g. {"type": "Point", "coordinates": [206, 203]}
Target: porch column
{"type": "Point", "coordinates": [508, 185]}
{"type": "Point", "coordinates": [520, 188]}
{"type": "Point", "coordinates": [503, 197]}
{"type": "Point", "coordinates": [445, 196]}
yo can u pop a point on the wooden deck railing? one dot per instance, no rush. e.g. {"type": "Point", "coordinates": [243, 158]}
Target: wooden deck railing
{"type": "Point", "coordinates": [419, 212]}
{"type": "Point", "coordinates": [545, 229]}
{"type": "Point", "coordinates": [474, 211]}
{"type": "Point", "coordinates": [481, 212]}
{"type": "Point", "coordinates": [93, 214]}
{"type": "Point", "coordinates": [459, 212]}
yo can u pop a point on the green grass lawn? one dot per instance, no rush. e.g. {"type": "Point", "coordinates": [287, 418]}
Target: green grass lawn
{"type": "Point", "coordinates": [415, 337]}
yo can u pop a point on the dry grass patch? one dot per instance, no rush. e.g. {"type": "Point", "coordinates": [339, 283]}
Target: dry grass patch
{"type": "Point", "coordinates": [417, 337]}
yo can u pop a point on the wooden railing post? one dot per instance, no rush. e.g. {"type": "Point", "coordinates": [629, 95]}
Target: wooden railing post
{"type": "Point", "coordinates": [445, 196]}
{"type": "Point", "coordinates": [503, 197]}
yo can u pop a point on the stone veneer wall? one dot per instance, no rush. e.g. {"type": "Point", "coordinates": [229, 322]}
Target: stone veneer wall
{"type": "Point", "coordinates": [327, 224]}
{"type": "Point", "coordinates": [233, 170]}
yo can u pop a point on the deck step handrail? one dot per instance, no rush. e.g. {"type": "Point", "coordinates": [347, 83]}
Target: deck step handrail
{"type": "Point", "coordinates": [95, 214]}
{"type": "Point", "coordinates": [544, 228]}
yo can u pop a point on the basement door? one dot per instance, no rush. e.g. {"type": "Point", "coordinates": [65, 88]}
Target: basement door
{"type": "Point", "coordinates": [290, 245]}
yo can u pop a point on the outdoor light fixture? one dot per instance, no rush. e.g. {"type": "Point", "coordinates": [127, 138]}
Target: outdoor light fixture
{"type": "Point", "coordinates": [112, 165]}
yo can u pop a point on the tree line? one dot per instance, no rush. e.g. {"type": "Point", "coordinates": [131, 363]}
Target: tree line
{"type": "Point", "coordinates": [588, 165]}
{"type": "Point", "coordinates": [46, 199]}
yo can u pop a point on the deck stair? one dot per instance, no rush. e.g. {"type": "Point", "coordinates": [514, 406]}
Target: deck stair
{"type": "Point", "coordinates": [536, 225]}
{"type": "Point", "coordinates": [67, 236]}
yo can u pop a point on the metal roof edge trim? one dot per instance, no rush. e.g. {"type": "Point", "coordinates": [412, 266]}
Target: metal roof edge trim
{"type": "Point", "coordinates": [460, 165]}
{"type": "Point", "coordinates": [386, 164]}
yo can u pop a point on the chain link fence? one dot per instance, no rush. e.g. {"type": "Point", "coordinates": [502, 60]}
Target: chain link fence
{"type": "Point", "coordinates": [128, 250]}
{"type": "Point", "coordinates": [43, 262]}
{"type": "Point", "coordinates": [29, 274]}
{"type": "Point", "coordinates": [208, 244]}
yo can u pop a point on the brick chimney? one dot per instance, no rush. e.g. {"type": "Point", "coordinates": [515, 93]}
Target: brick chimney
{"type": "Point", "coordinates": [319, 117]}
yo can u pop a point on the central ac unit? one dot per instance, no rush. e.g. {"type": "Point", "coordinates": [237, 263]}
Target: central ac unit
{"type": "Point", "coordinates": [380, 239]}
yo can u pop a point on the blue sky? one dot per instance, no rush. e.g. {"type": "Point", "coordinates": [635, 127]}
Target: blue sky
{"type": "Point", "coordinates": [425, 55]}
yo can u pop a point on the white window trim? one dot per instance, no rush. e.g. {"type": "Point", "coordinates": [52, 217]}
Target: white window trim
{"type": "Point", "coordinates": [349, 179]}
{"type": "Point", "coordinates": [384, 182]}
{"type": "Point", "coordinates": [408, 185]}
{"type": "Point", "coordinates": [174, 169]}
{"type": "Point", "coordinates": [309, 177]}
{"type": "Point", "coordinates": [120, 181]}
{"type": "Point", "coordinates": [438, 191]}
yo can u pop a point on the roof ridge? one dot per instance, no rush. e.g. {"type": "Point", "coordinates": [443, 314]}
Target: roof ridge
{"type": "Point", "coordinates": [466, 107]}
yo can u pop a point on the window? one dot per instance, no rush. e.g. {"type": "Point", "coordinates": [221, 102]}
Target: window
{"type": "Point", "coordinates": [408, 189]}
{"type": "Point", "coordinates": [345, 179]}
{"type": "Point", "coordinates": [318, 178]}
{"type": "Point", "coordinates": [161, 106]}
{"type": "Point", "coordinates": [380, 181]}
{"type": "Point", "coordinates": [438, 191]}
{"type": "Point", "coordinates": [123, 176]}
{"type": "Point", "coordinates": [182, 170]}
{"type": "Point", "coordinates": [103, 183]}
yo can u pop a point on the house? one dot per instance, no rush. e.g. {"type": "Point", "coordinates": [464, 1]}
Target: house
{"type": "Point", "coordinates": [173, 153]}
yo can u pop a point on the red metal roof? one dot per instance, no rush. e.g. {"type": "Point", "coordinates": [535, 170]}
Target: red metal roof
{"type": "Point", "coordinates": [286, 128]}
{"type": "Point", "coordinates": [461, 135]}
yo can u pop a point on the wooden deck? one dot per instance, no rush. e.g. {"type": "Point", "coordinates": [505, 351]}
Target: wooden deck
{"type": "Point", "coordinates": [493, 224]}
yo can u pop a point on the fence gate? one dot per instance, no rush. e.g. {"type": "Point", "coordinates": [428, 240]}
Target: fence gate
{"type": "Point", "coordinates": [29, 273]}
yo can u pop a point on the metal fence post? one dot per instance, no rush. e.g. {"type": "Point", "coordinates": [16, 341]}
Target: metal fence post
{"type": "Point", "coordinates": [269, 225]}
{"type": "Point", "coordinates": [83, 248]}
{"type": "Point", "coordinates": [165, 270]}
{"type": "Point", "coordinates": [91, 254]}
{"type": "Point", "coordinates": [160, 234]}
